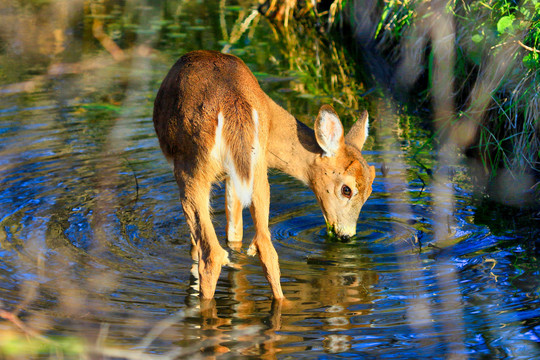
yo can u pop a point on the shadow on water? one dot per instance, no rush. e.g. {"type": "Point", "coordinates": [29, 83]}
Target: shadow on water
{"type": "Point", "coordinates": [95, 251]}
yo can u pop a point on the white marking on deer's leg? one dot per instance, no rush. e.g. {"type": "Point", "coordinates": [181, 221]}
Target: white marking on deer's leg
{"type": "Point", "coordinates": [229, 202]}
{"type": "Point", "coordinates": [242, 189]}
{"type": "Point", "coordinates": [233, 210]}
{"type": "Point", "coordinates": [217, 152]}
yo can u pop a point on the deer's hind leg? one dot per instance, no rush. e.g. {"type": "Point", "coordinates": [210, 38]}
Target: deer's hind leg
{"type": "Point", "coordinates": [195, 197]}
{"type": "Point", "coordinates": [233, 210]}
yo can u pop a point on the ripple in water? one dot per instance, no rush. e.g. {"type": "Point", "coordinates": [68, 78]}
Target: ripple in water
{"type": "Point", "coordinates": [92, 239]}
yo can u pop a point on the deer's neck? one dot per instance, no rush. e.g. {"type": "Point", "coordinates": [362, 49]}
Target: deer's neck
{"type": "Point", "coordinates": [292, 147]}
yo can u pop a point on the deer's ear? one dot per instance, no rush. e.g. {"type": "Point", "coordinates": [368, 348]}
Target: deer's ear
{"type": "Point", "coordinates": [329, 131]}
{"type": "Point", "coordinates": [359, 132]}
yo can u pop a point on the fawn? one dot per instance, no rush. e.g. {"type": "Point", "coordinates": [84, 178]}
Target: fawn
{"type": "Point", "coordinates": [214, 122]}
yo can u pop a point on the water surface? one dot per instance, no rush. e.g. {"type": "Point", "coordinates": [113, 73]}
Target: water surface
{"type": "Point", "coordinates": [94, 245]}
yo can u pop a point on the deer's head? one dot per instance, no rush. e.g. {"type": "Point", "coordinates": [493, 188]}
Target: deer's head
{"type": "Point", "coordinates": [340, 177]}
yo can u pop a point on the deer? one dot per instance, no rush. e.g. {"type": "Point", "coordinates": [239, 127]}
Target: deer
{"type": "Point", "coordinates": [214, 123]}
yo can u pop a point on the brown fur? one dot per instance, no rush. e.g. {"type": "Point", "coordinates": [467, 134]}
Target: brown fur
{"type": "Point", "coordinates": [198, 87]}
{"type": "Point", "coordinates": [203, 84]}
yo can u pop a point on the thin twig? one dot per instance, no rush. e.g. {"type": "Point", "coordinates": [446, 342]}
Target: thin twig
{"type": "Point", "coordinates": [14, 319]}
{"type": "Point", "coordinates": [239, 29]}
{"type": "Point", "coordinates": [136, 180]}
{"type": "Point", "coordinates": [528, 47]}
{"type": "Point", "coordinates": [423, 183]}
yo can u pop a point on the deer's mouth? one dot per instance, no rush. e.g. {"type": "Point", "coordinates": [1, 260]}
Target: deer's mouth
{"type": "Point", "coordinates": [335, 232]}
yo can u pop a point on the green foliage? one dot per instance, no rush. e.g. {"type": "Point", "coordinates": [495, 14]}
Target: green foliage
{"type": "Point", "coordinates": [396, 17]}
{"type": "Point", "coordinates": [484, 32]}
{"type": "Point", "coordinates": [506, 24]}
{"type": "Point", "coordinates": [319, 72]}
{"type": "Point", "coordinates": [507, 138]}
{"type": "Point", "coordinates": [17, 346]}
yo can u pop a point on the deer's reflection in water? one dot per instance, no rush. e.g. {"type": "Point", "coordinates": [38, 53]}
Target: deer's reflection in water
{"type": "Point", "coordinates": [323, 301]}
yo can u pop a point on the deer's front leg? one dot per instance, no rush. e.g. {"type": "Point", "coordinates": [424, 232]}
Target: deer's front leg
{"type": "Point", "coordinates": [233, 210]}
{"type": "Point", "coordinates": [262, 244]}
{"type": "Point", "coordinates": [195, 197]}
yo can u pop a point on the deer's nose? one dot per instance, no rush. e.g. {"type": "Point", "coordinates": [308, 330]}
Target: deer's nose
{"type": "Point", "coordinates": [345, 231]}
{"type": "Point", "coordinates": [345, 238]}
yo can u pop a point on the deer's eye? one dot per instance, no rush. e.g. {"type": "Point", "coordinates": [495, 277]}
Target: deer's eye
{"type": "Point", "coordinates": [346, 191]}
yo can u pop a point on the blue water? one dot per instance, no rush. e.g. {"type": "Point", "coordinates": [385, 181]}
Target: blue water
{"type": "Point", "coordinates": [94, 245]}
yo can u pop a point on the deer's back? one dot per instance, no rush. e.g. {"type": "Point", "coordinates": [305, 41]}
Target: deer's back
{"type": "Point", "coordinates": [198, 88]}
